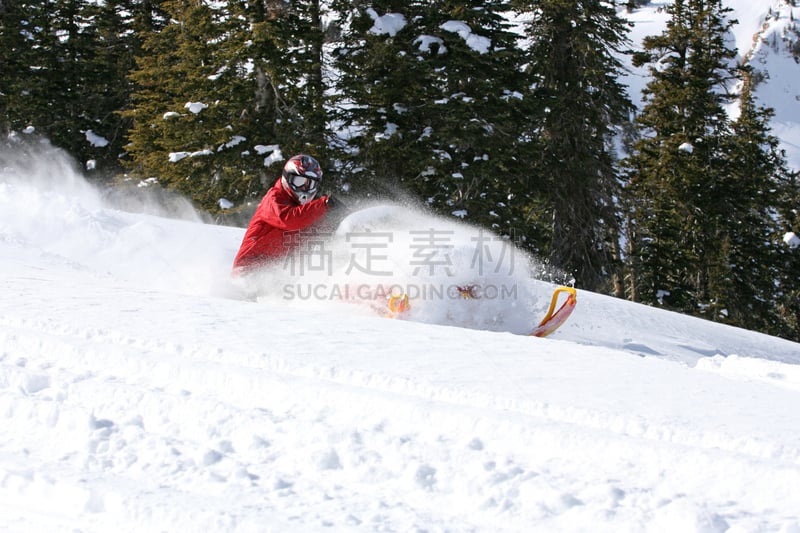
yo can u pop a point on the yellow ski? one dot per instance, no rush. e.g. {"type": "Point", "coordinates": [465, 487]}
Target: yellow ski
{"type": "Point", "coordinates": [553, 319]}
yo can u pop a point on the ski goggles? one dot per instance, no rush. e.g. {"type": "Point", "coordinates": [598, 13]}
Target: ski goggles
{"type": "Point", "coordinates": [303, 183]}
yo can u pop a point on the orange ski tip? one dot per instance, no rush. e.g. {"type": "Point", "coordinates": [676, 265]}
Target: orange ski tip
{"type": "Point", "coordinates": [397, 305]}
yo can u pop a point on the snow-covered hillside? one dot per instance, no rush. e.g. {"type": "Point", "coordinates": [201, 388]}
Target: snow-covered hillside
{"type": "Point", "coordinates": [141, 389]}
{"type": "Point", "coordinates": [140, 392]}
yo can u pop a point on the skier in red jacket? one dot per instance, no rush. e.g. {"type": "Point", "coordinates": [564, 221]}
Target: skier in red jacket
{"type": "Point", "coordinates": [287, 209]}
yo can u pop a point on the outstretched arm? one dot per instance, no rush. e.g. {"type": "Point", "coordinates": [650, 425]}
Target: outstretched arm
{"type": "Point", "coordinates": [291, 217]}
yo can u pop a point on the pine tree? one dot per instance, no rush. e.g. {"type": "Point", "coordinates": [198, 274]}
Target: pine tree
{"type": "Point", "coordinates": [172, 72]}
{"type": "Point", "coordinates": [32, 66]}
{"type": "Point", "coordinates": [577, 105]}
{"type": "Point", "coordinates": [743, 289]}
{"type": "Point", "coordinates": [109, 88]}
{"type": "Point", "coordinates": [381, 81]}
{"type": "Point", "coordinates": [73, 48]}
{"type": "Point", "coordinates": [15, 62]}
{"type": "Point", "coordinates": [788, 287]}
{"type": "Point", "coordinates": [437, 114]}
{"type": "Point", "coordinates": [677, 169]}
{"type": "Point", "coordinates": [221, 90]}
{"type": "Point", "coordinates": [66, 62]}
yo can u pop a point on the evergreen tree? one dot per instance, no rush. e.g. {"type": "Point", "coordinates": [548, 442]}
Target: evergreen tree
{"type": "Point", "coordinates": [438, 112]}
{"type": "Point", "coordinates": [32, 63]}
{"type": "Point", "coordinates": [677, 169]}
{"type": "Point", "coordinates": [221, 90]}
{"type": "Point", "coordinates": [172, 74]}
{"type": "Point", "coordinates": [746, 290]}
{"type": "Point", "coordinates": [380, 76]}
{"type": "Point", "coordinates": [706, 191]}
{"type": "Point", "coordinates": [66, 62]}
{"type": "Point", "coordinates": [578, 103]}
{"type": "Point", "coordinates": [71, 94]}
{"type": "Point", "coordinates": [788, 286]}
{"type": "Point", "coordinates": [15, 62]}
{"type": "Point", "coordinates": [117, 42]}
{"type": "Point", "coordinates": [281, 45]}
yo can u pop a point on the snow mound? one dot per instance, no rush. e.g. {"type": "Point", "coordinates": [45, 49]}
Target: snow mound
{"type": "Point", "coordinates": [454, 274]}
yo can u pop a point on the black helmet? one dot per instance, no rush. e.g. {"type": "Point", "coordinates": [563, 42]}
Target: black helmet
{"type": "Point", "coordinates": [302, 175]}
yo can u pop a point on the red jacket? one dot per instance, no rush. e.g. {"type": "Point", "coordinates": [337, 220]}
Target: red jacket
{"type": "Point", "coordinates": [270, 233]}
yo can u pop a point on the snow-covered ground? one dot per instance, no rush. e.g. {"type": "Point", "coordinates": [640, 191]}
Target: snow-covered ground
{"type": "Point", "coordinates": [141, 389]}
{"type": "Point", "coordinates": [140, 392]}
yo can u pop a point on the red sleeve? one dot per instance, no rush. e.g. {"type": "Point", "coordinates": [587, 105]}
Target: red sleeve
{"type": "Point", "coordinates": [288, 216]}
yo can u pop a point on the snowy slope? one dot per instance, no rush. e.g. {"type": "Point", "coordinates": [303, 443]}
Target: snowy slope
{"type": "Point", "coordinates": [142, 390]}
{"type": "Point", "coordinates": [139, 392]}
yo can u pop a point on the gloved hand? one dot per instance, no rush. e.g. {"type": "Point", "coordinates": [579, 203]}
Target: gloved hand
{"type": "Point", "coordinates": [333, 203]}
